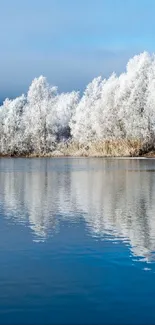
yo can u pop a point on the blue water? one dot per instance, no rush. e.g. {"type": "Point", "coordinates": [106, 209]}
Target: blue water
{"type": "Point", "coordinates": [77, 241]}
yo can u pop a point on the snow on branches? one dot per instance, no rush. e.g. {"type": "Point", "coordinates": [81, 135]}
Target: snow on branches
{"type": "Point", "coordinates": [120, 107]}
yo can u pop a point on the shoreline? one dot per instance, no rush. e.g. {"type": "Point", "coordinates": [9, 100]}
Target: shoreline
{"type": "Point", "coordinates": [77, 157]}
{"type": "Point", "coordinates": [120, 149]}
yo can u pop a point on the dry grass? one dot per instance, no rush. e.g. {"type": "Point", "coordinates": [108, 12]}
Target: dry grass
{"type": "Point", "coordinates": [107, 148]}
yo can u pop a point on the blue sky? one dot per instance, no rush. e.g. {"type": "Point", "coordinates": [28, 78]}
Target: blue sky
{"type": "Point", "coordinates": [70, 41]}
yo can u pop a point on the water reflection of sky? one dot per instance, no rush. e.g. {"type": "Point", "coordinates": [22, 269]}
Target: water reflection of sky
{"type": "Point", "coordinates": [113, 199]}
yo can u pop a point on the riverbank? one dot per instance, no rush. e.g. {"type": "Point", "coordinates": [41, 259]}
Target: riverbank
{"type": "Point", "coordinates": [108, 148]}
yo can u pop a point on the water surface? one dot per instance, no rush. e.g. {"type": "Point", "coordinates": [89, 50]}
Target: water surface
{"type": "Point", "coordinates": [77, 241]}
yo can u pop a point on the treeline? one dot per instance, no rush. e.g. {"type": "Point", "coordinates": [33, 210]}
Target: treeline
{"type": "Point", "coordinates": [115, 109]}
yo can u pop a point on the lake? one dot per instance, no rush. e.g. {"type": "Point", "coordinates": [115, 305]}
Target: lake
{"type": "Point", "coordinates": [77, 241]}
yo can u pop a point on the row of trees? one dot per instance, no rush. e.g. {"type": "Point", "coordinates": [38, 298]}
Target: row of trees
{"type": "Point", "coordinates": [119, 107]}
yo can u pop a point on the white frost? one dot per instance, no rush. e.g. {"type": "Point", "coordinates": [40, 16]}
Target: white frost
{"type": "Point", "coordinates": [114, 108]}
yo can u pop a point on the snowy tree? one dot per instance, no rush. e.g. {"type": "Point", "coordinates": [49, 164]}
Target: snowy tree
{"type": "Point", "coordinates": [61, 114]}
{"type": "Point", "coordinates": [120, 107]}
{"type": "Point", "coordinates": [47, 116]}
{"type": "Point", "coordinates": [105, 115]}
{"type": "Point", "coordinates": [82, 123]}
{"type": "Point", "coordinates": [11, 125]}
{"type": "Point", "coordinates": [40, 97]}
{"type": "Point", "coordinates": [133, 95]}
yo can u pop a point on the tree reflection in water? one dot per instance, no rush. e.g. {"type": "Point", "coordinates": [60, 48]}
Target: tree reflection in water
{"type": "Point", "coordinates": [115, 197]}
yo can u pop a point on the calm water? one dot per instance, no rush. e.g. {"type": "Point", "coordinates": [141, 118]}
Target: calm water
{"type": "Point", "coordinates": [77, 241]}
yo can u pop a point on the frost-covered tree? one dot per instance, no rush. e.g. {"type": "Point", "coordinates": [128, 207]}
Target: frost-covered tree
{"type": "Point", "coordinates": [40, 98]}
{"type": "Point", "coordinates": [82, 128]}
{"type": "Point", "coordinates": [46, 116]}
{"type": "Point", "coordinates": [120, 107]}
{"type": "Point", "coordinates": [105, 115]}
{"type": "Point", "coordinates": [11, 125]}
{"type": "Point", "coordinates": [132, 97]}
{"type": "Point", "coordinates": [61, 113]}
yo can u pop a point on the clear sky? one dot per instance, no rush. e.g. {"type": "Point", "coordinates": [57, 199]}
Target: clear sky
{"type": "Point", "coordinates": [70, 41]}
